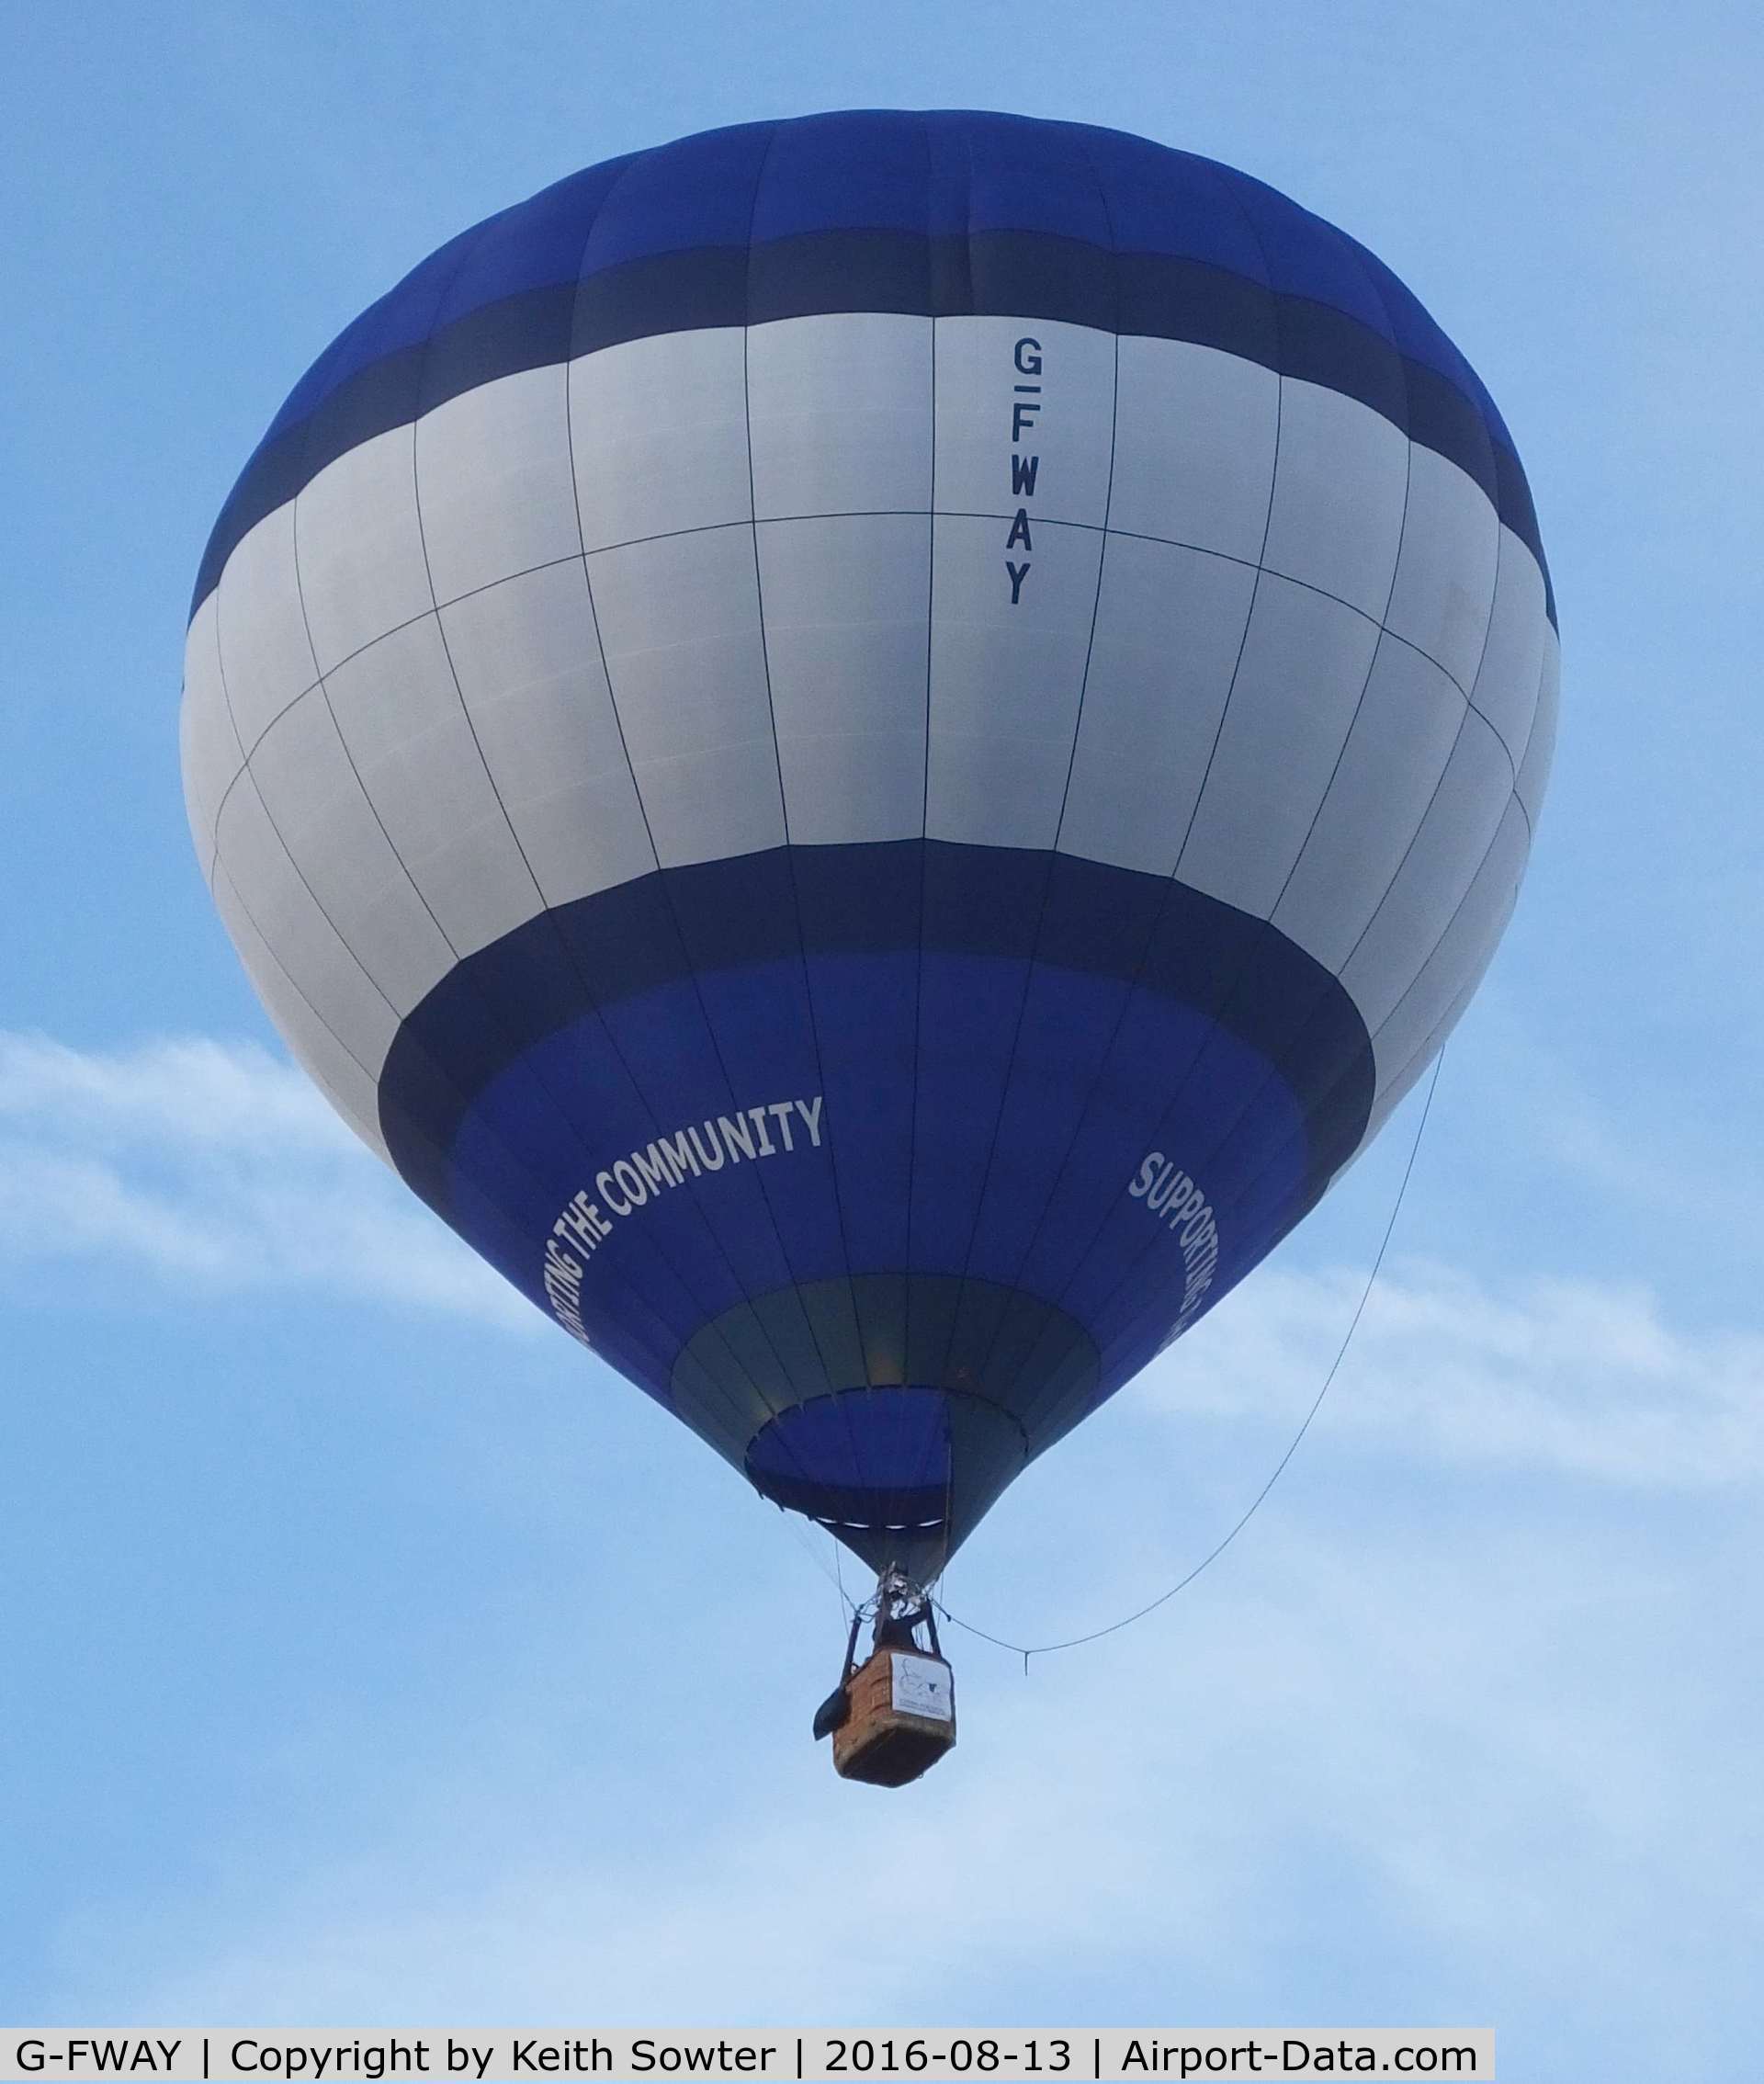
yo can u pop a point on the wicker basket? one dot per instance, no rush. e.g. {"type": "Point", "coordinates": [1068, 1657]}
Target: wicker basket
{"type": "Point", "coordinates": [902, 1718]}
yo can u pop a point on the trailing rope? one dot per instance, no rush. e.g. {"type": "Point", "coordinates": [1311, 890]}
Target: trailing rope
{"type": "Point", "coordinates": [1213, 1555]}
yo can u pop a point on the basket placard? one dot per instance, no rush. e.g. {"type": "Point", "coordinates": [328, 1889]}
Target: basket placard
{"type": "Point", "coordinates": [921, 1686]}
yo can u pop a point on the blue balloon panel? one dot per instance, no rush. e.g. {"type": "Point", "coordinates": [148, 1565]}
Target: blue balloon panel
{"type": "Point", "coordinates": [823, 1146]}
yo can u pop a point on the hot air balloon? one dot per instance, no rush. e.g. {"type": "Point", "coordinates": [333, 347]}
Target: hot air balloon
{"type": "Point", "coordinates": [869, 748]}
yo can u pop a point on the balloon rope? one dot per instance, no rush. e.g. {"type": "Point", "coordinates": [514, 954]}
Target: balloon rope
{"type": "Point", "coordinates": [1213, 1555]}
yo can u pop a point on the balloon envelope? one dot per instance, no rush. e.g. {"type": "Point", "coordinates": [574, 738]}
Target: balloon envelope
{"type": "Point", "coordinates": [869, 748]}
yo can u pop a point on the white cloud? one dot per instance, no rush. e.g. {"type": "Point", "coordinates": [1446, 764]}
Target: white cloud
{"type": "Point", "coordinates": [1575, 1377]}
{"type": "Point", "coordinates": [215, 1164]}
{"type": "Point", "coordinates": [1465, 1764]}
{"type": "Point", "coordinates": [1637, 1140]}
{"type": "Point", "coordinates": [220, 1164]}
{"type": "Point", "coordinates": [1455, 1781]}
{"type": "Point", "coordinates": [188, 1090]}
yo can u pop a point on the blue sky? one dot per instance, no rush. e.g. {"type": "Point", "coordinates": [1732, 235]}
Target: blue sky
{"type": "Point", "coordinates": [372, 1654]}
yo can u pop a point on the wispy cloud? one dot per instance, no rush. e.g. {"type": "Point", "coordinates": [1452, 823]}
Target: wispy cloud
{"type": "Point", "coordinates": [217, 1164]}
{"type": "Point", "coordinates": [1444, 1747]}
{"type": "Point", "coordinates": [213, 1164]}
{"type": "Point", "coordinates": [1635, 1137]}
{"type": "Point", "coordinates": [1504, 1754]}
{"type": "Point", "coordinates": [1582, 1377]}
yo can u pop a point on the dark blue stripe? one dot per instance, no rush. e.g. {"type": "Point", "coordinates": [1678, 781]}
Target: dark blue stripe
{"type": "Point", "coordinates": [1065, 913]}
{"type": "Point", "coordinates": [945, 215]}
{"type": "Point", "coordinates": [939, 176]}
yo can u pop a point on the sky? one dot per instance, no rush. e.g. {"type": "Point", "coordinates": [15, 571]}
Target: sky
{"type": "Point", "coordinates": [372, 1655]}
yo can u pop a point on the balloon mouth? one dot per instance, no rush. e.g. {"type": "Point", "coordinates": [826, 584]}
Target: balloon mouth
{"type": "Point", "coordinates": [898, 1472]}
{"type": "Point", "coordinates": [867, 1460]}
{"type": "Point", "coordinates": [891, 1409]}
